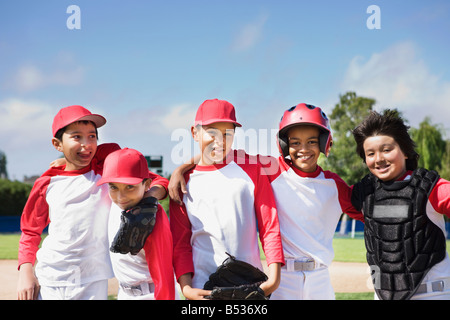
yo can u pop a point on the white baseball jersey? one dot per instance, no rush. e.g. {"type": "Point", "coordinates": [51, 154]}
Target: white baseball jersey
{"type": "Point", "coordinates": [153, 264]}
{"type": "Point", "coordinates": [76, 249]}
{"type": "Point", "coordinates": [309, 207]}
{"type": "Point", "coordinates": [224, 207]}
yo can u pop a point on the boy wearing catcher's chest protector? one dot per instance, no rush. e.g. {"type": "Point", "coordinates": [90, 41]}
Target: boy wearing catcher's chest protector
{"type": "Point", "coordinates": [404, 208]}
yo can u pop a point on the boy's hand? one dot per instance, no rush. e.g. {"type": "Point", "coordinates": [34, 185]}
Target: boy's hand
{"type": "Point", "coordinates": [28, 286]}
{"type": "Point", "coordinates": [190, 293]}
{"type": "Point", "coordinates": [176, 183]}
{"type": "Point", "coordinates": [58, 162]}
{"type": "Point", "coordinates": [195, 293]}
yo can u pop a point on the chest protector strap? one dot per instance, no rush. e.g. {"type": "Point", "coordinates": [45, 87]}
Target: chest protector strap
{"type": "Point", "coordinates": [402, 242]}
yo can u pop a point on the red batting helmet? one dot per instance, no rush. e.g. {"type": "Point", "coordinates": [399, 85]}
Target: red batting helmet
{"type": "Point", "coordinates": [308, 115]}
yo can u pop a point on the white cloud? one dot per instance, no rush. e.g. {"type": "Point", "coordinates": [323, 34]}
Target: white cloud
{"type": "Point", "coordinates": [30, 78]}
{"type": "Point", "coordinates": [398, 78]}
{"type": "Point", "coordinates": [25, 120]}
{"type": "Point", "coordinates": [25, 136]}
{"type": "Point", "coordinates": [249, 35]}
{"type": "Point", "coordinates": [180, 116]}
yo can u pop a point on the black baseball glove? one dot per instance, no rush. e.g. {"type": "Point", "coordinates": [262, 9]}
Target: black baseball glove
{"type": "Point", "coordinates": [136, 225]}
{"type": "Point", "coordinates": [236, 280]}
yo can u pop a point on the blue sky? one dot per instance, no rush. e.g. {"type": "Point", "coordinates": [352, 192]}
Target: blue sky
{"type": "Point", "coordinates": [147, 65]}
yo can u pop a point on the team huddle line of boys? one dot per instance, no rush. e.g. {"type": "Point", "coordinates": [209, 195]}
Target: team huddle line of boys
{"type": "Point", "coordinates": [221, 202]}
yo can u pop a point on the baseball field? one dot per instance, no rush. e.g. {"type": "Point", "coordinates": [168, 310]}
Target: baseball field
{"type": "Point", "coordinates": [349, 271]}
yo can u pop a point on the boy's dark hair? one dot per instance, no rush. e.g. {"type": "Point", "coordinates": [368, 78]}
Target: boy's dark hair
{"type": "Point", "coordinates": [388, 124]}
{"type": "Point", "coordinates": [60, 132]}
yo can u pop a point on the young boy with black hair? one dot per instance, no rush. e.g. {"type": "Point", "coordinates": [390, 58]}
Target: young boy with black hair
{"type": "Point", "coordinates": [226, 201]}
{"type": "Point", "coordinates": [404, 208]}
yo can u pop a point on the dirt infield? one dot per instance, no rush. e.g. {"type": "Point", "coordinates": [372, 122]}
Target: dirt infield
{"type": "Point", "coordinates": [345, 277]}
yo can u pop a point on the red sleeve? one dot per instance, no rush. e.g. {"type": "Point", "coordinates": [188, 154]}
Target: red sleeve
{"type": "Point", "coordinates": [158, 180]}
{"type": "Point", "coordinates": [345, 196]}
{"type": "Point", "coordinates": [35, 217]}
{"type": "Point", "coordinates": [270, 165]}
{"type": "Point", "coordinates": [440, 197]}
{"type": "Point", "coordinates": [267, 216]}
{"type": "Point", "coordinates": [158, 253]}
{"type": "Point", "coordinates": [100, 155]}
{"type": "Point", "coordinates": [181, 234]}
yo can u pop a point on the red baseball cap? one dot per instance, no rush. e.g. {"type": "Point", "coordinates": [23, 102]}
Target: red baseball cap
{"type": "Point", "coordinates": [127, 166]}
{"type": "Point", "coordinates": [215, 110]}
{"type": "Point", "coordinates": [71, 114]}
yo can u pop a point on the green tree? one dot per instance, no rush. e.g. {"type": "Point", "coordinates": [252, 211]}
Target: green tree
{"type": "Point", "coordinates": [3, 172]}
{"type": "Point", "coordinates": [444, 169]}
{"type": "Point", "coordinates": [13, 196]}
{"type": "Point", "coordinates": [346, 115]}
{"type": "Point", "coordinates": [431, 145]}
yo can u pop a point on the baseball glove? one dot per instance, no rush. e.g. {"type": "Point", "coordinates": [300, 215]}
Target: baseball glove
{"type": "Point", "coordinates": [136, 225]}
{"type": "Point", "coordinates": [236, 280]}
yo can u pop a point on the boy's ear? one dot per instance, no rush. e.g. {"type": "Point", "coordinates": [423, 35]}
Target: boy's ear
{"type": "Point", "coordinates": [57, 144]}
{"type": "Point", "coordinates": [194, 132]}
{"type": "Point", "coordinates": [147, 184]}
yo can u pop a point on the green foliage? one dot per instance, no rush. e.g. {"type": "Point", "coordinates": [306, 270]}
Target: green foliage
{"type": "Point", "coordinates": [3, 172]}
{"type": "Point", "coordinates": [13, 196]}
{"type": "Point", "coordinates": [346, 115]}
{"type": "Point", "coordinates": [430, 144]}
{"type": "Point", "coordinates": [165, 204]}
{"type": "Point", "coordinates": [444, 170]}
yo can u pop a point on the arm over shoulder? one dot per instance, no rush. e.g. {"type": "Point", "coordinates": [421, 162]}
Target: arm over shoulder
{"type": "Point", "coordinates": [345, 197]}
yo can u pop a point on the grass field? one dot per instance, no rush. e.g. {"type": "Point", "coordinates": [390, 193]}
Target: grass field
{"type": "Point", "coordinates": [9, 245]}
{"type": "Point", "coordinates": [346, 250]}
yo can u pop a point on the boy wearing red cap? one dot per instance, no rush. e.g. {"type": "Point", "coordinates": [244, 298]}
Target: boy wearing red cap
{"type": "Point", "coordinates": [227, 202]}
{"type": "Point", "coordinates": [73, 261]}
{"type": "Point", "coordinates": [148, 275]}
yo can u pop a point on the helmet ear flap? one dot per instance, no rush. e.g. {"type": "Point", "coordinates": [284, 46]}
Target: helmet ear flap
{"type": "Point", "coordinates": [325, 142]}
{"type": "Point", "coordinates": [283, 145]}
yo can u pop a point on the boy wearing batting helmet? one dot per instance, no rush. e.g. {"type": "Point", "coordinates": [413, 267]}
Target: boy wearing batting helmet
{"type": "Point", "coordinates": [310, 202]}
{"type": "Point", "coordinates": [404, 208]}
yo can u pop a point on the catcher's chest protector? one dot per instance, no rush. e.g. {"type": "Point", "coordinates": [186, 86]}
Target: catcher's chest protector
{"type": "Point", "coordinates": [402, 243]}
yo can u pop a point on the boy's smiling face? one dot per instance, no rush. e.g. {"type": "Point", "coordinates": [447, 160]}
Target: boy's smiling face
{"type": "Point", "coordinates": [384, 158]}
{"type": "Point", "coordinates": [127, 196]}
{"type": "Point", "coordinates": [304, 147]}
{"type": "Point", "coordinates": [78, 143]}
{"type": "Point", "coordinates": [215, 141]}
